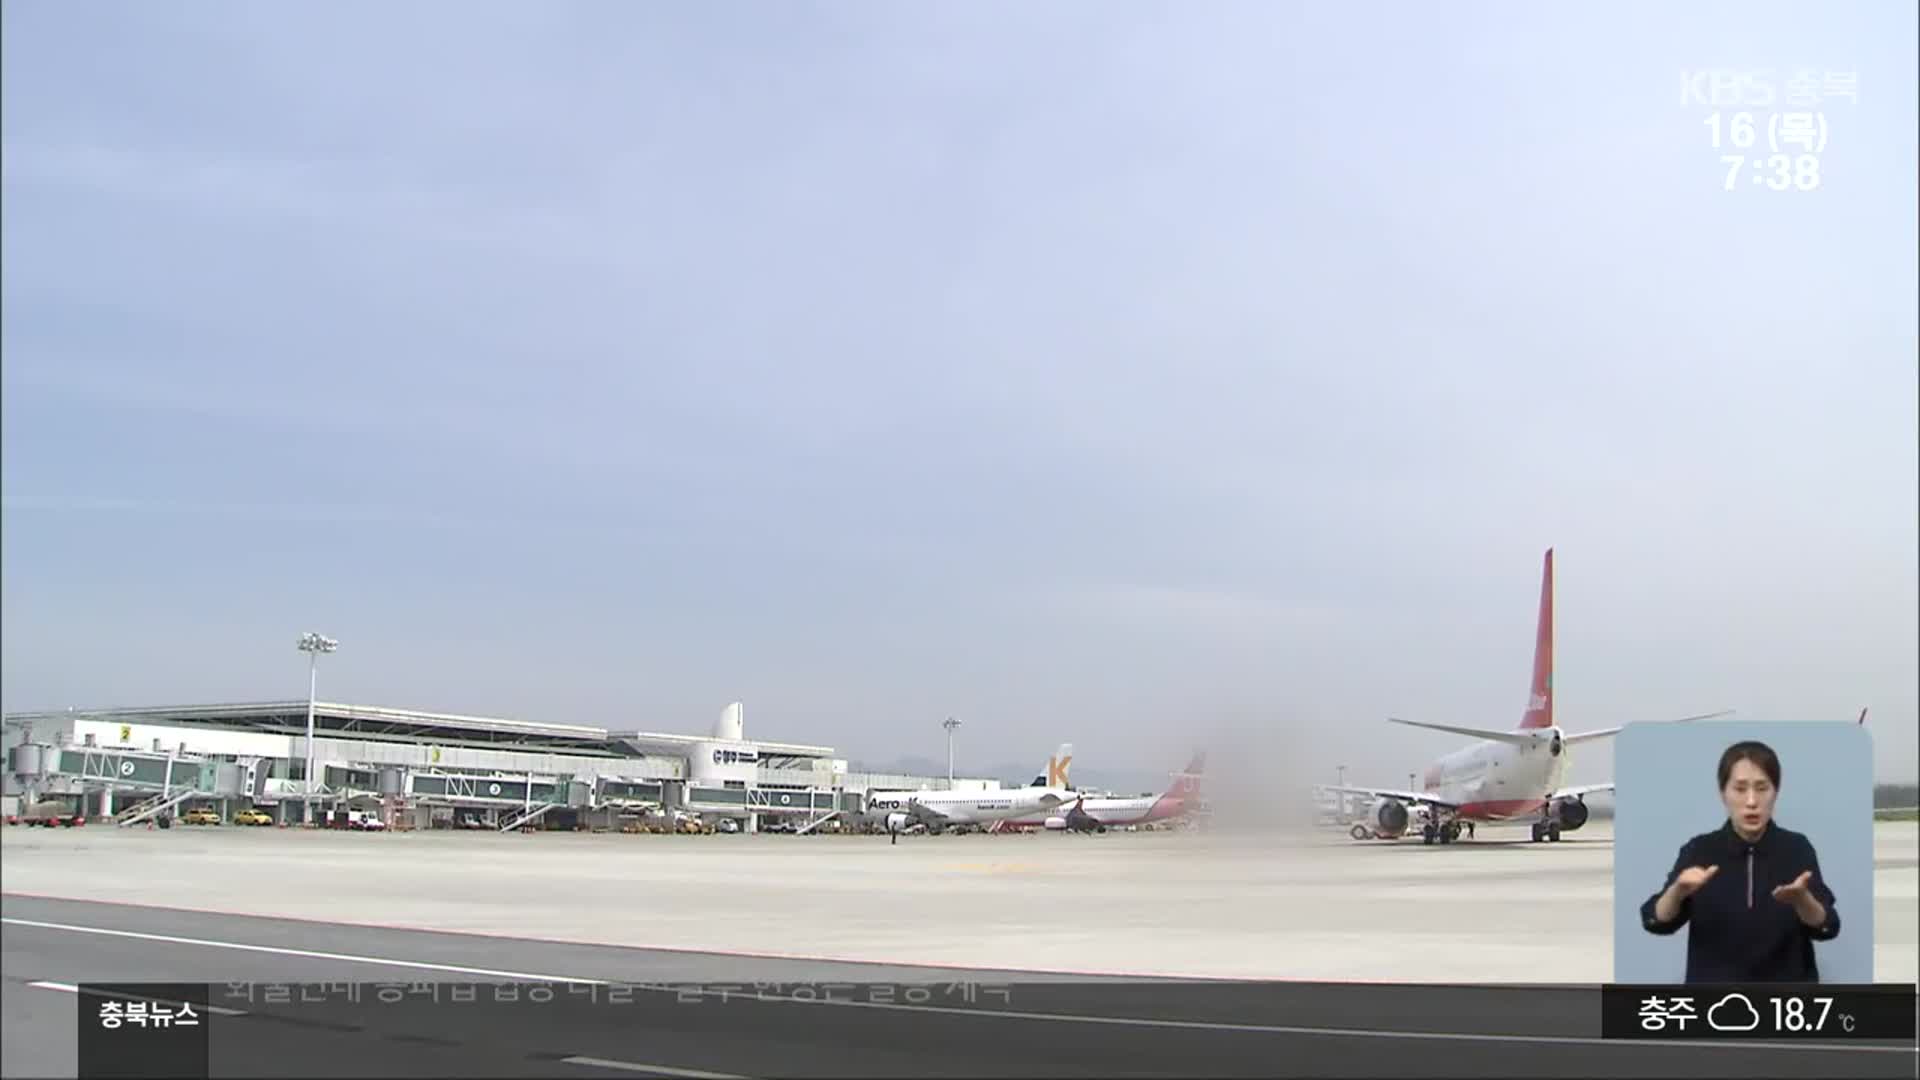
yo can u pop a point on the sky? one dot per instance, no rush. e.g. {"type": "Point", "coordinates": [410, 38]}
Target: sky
{"type": "Point", "coordinates": [1129, 374]}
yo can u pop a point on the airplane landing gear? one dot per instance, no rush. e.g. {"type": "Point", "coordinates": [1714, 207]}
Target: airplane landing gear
{"type": "Point", "coordinates": [1546, 830]}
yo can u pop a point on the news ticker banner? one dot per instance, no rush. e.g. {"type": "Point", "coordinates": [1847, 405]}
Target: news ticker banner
{"type": "Point", "coordinates": [166, 1030]}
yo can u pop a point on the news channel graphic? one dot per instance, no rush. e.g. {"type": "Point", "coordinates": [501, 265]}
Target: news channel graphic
{"type": "Point", "coordinates": [143, 1030]}
{"type": "Point", "coordinates": [1668, 793]}
{"type": "Point", "coordinates": [1769, 126]}
{"type": "Point", "coordinates": [1768, 1012]}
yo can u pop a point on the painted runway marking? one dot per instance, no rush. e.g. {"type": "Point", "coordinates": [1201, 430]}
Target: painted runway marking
{"type": "Point", "coordinates": [687, 950]}
{"type": "Point", "coordinates": [527, 976]}
{"type": "Point", "coordinates": [69, 988]}
{"type": "Point", "coordinates": [1008, 1014]}
{"type": "Point", "coordinates": [655, 1070]}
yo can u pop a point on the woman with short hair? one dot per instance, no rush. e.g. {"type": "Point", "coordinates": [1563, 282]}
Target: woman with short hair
{"type": "Point", "coordinates": [1751, 890]}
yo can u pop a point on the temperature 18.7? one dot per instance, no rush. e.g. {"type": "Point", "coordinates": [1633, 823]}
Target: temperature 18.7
{"type": "Point", "coordinates": [1804, 1014]}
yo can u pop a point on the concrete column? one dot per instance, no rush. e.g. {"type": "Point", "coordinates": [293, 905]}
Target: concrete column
{"type": "Point", "coordinates": [106, 802]}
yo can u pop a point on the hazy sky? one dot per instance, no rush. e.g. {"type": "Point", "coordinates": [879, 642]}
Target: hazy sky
{"type": "Point", "coordinates": [1107, 372]}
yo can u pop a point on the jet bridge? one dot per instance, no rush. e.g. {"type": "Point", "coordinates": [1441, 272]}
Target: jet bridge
{"type": "Point", "coordinates": [164, 776]}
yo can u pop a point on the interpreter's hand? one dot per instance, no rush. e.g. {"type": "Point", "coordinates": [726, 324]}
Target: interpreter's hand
{"type": "Point", "coordinates": [1795, 892]}
{"type": "Point", "coordinates": [1692, 879]}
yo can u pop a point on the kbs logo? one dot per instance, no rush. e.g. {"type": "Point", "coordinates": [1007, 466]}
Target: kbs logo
{"type": "Point", "coordinates": [1723, 87]}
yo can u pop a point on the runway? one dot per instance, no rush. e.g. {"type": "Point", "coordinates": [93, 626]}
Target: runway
{"type": "Point", "coordinates": [1217, 905]}
{"type": "Point", "coordinates": [1058, 1028]}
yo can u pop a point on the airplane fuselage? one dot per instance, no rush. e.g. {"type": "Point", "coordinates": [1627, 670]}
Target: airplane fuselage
{"type": "Point", "coordinates": [1498, 781]}
{"type": "Point", "coordinates": [969, 807]}
{"type": "Point", "coordinates": [1112, 812]}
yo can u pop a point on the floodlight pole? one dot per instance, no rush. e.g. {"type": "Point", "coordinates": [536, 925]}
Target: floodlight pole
{"type": "Point", "coordinates": [313, 645]}
{"type": "Point", "coordinates": [950, 724]}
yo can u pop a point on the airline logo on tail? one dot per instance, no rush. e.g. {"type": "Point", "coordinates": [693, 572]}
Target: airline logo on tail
{"type": "Point", "coordinates": [1186, 783]}
{"type": "Point", "coordinates": [1056, 775]}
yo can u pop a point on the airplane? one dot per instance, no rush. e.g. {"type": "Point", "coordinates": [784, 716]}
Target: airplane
{"type": "Point", "coordinates": [1507, 775]}
{"type": "Point", "coordinates": [1088, 814]}
{"type": "Point", "coordinates": [940, 810]}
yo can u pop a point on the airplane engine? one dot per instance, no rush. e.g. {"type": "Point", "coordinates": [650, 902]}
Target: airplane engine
{"type": "Point", "coordinates": [1570, 813]}
{"type": "Point", "coordinates": [1056, 823]}
{"type": "Point", "coordinates": [1390, 817]}
{"type": "Point", "coordinates": [897, 821]}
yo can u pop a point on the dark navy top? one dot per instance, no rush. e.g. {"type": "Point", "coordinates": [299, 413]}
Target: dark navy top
{"type": "Point", "coordinates": [1740, 932]}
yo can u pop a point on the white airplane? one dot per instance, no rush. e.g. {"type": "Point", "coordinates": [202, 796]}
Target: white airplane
{"type": "Point", "coordinates": [1507, 776]}
{"type": "Point", "coordinates": [1090, 814]}
{"type": "Point", "coordinates": [939, 810]}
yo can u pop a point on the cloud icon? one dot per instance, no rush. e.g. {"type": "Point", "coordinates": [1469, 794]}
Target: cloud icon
{"type": "Point", "coordinates": [1723, 1018]}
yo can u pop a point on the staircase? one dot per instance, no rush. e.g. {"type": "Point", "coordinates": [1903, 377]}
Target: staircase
{"type": "Point", "coordinates": [527, 818]}
{"type": "Point", "coordinates": [141, 807]}
{"type": "Point", "coordinates": [817, 822]}
{"type": "Point", "coordinates": [156, 805]}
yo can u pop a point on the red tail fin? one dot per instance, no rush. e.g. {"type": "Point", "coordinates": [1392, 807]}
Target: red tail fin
{"type": "Point", "coordinates": [1186, 784]}
{"type": "Point", "coordinates": [1184, 791]}
{"type": "Point", "coordinates": [1539, 712]}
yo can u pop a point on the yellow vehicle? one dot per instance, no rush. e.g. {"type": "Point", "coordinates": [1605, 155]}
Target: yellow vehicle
{"type": "Point", "coordinates": [200, 817]}
{"type": "Point", "coordinates": [252, 817]}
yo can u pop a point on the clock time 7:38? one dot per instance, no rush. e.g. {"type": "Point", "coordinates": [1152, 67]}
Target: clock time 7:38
{"type": "Point", "coordinates": [1797, 173]}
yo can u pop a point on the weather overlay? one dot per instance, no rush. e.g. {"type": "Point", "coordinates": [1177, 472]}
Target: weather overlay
{"type": "Point", "coordinates": [1767, 1012]}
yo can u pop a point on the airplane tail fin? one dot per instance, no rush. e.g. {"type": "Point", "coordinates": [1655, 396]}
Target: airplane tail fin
{"type": "Point", "coordinates": [1057, 766]}
{"type": "Point", "coordinates": [1186, 784]}
{"type": "Point", "coordinates": [1539, 712]}
{"type": "Point", "coordinates": [1183, 793]}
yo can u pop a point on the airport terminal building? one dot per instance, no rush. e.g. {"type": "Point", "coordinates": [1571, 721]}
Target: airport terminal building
{"type": "Point", "coordinates": [421, 770]}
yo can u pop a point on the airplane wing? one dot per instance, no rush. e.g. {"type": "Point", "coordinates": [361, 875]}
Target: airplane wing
{"type": "Point", "coordinates": [1415, 797]}
{"type": "Point", "coordinates": [1514, 737]}
{"type": "Point", "coordinates": [1578, 792]}
{"type": "Point", "coordinates": [924, 814]}
{"type": "Point", "coordinates": [1583, 736]}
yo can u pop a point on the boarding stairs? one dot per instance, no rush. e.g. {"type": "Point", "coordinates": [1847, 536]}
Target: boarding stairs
{"type": "Point", "coordinates": [527, 818]}
{"type": "Point", "coordinates": [817, 822]}
{"type": "Point", "coordinates": [153, 807]}
{"type": "Point", "coordinates": [148, 803]}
